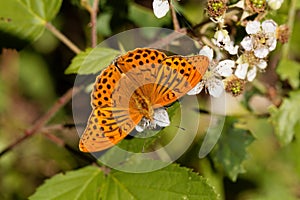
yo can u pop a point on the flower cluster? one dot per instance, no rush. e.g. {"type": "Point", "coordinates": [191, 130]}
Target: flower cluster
{"type": "Point", "coordinates": [235, 63]}
{"type": "Point", "coordinates": [254, 48]}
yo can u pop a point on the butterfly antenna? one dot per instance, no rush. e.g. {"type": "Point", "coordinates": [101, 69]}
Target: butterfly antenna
{"type": "Point", "coordinates": [180, 127]}
{"type": "Point", "coordinates": [143, 149]}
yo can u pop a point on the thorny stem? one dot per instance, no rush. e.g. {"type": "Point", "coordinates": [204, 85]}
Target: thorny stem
{"type": "Point", "coordinates": [62, 38]}
{"type": "Point", "coordinates": [40, 123]}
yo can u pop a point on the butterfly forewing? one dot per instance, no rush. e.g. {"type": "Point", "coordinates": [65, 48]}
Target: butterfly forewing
{"type": "Point", "coordinates": [177, 75]}
{"type": "Point", "coordinates": [139, 57]}
{"type": "Point", "coordinates": [104, 87]}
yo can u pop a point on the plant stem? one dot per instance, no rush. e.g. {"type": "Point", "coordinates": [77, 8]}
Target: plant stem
{"type": "Point", "coordinates": [62, 38]}
{"type": "Point", "coordinates": [93, 14]}
{"type": "Point", "coordinates": [174, 17]}
{"type": "Point", "coordinates": [290, 23]}
{"type": "Point", "coordinates": [40, 123]}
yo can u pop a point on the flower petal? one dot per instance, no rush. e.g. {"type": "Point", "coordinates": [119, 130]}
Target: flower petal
{"type": "Point", "coordinates": [161, 117]}
{"type": "Point", "coordinates": [208, 52]}
{"type": "Point", "coordinates": [275, 4]}
{"type": "Point", "coordinates": [224, 68]}
{"type": "Point", "coordinates": [221, 38]}
{"type": "Point", "coordinates": [269, 26]}
{"type": "Point", "coordinates": [261, 52]}
{"type": "Point", "coordinates": [160, 8]}
{"type": "Point", "coordinates": [253, 27]}
{"type": "Point", "coordinates": [241, 70]}
{"type": "Point", "coordinates": [262, 64]}
{"type": "Point", "coordinates": [251, 74]}
{"type": "Point", "coordinates": [197, 89]}
{"type": "Point", "coordinates": [247, 43]}
{"type": "Point", "coordinates": [232, 50]}
{"type": "Point", "coordinates": [272, 42]}
{"type": "Point", "coordinates": [215, 87]}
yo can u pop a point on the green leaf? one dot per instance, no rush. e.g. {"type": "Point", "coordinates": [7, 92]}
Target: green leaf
{"type": "Point", "coordinates": [92, 61]}
{"type": "Point", "coordinates": [27, 18]}
{"type": "Point", "coordinates": [286, 118]}
{"type": "Point", "coordinates": [103, 27]}
{"type": "Point", "coordinates": [289, 70]}
{"type": "Point", "coordinates": [80, 184]}
{"type": "Point", "coordinates": [172, 182]}
{"type": "Point", "coordinates": [230, 151]}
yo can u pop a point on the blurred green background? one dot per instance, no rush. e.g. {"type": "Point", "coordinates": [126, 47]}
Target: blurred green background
{"type": "Point", "coordinates": [33, 78]}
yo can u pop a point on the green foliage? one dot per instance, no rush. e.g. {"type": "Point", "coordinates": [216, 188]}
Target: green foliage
{"type": "Point", "coordinates": [92, 61]}
{"type": "Point", "coordinates": [286, 119]}
{"type": "Point", "coordinates": [27, 18]}
{"type": "Point", "coordinates": [230, 151]}
{"type": "Point", "coordinates": [289, 70]}
{"type": "Point", "coordinates": [91, 183]}
{"type": "Point", "coordinates": [80, 184]}
{"type": "Point", "coordinates": [137, 12]}
{"type": "Point", "coordinates": [34, 78]}
{"type": "Point", "coordinates": [103, 27]}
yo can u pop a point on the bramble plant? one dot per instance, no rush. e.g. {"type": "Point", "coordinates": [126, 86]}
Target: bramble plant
{"type": "Point", "coordinates": [235, 135]}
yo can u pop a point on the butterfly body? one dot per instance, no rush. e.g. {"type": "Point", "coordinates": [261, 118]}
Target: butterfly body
{"type": "Point", "coordinates": [132, 88]}
{"type": "Point", "coordinates": [143, 105]}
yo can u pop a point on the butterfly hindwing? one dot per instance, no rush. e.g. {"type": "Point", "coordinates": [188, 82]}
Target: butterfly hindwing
{"type": "Point", "coordinates": [105, 129]}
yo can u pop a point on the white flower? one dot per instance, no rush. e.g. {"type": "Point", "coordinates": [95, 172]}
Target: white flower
{"type": "Point", "coordinates": [275, 4]}
{"type": "Point", "coordinates": [212, 79]}
{"type": "Point", "coordinates": [253, 27]}
{"type": "Point", "coordinates": [221, 39]}
{"type": "Point", "coordinates": [241, 70]}
{"type": "Point", "coordinates": [261, 39]}
{"type": "Point", "coordinates": [160, 8]}
{"type": "Point", "coordinates": [248, 65]}
{"type": "Point", "coordinates": [160, 118]}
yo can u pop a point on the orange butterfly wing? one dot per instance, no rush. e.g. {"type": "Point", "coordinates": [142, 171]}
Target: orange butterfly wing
{"type": "Point", "coordinates": [142, 75]}
{"type": "Point", "coordinates": [181, 75]}
{"type": "Point", "coordinates": [112, 119]}
{"type": "Point", "coordinates": [105, 127]}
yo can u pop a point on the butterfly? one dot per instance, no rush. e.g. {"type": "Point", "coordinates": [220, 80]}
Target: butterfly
{"type": "Point", "coordinates": [131, 88]}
